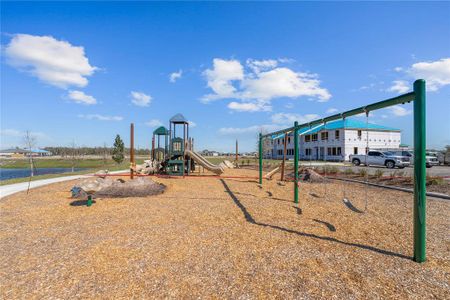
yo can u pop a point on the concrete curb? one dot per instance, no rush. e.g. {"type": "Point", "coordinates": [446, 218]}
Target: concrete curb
{"type": "Point", "coordinates": [431, 194]}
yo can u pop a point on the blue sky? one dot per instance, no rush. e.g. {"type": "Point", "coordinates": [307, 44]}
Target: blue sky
{"type": "Point", "coordinates": [81, 72]}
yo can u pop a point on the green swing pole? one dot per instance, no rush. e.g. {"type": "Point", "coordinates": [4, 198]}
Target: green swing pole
{"type": "Point", "coordinates": [260, 154]}
{"type": "Point", "coordinates": [296, 162]}
{"type": "Point", "coordinates": [419, 171]}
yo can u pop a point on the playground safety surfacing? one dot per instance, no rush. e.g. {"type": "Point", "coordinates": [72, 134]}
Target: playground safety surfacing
{"type": "Point", "coordinates": [221, 238]}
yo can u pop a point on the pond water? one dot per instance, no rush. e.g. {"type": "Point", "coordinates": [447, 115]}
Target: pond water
{"type": "Point", "coordinates": [20, 173]}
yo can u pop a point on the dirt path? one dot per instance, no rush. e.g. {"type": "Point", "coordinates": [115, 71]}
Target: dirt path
{"type": "Point", "coordinates": [221, 238]}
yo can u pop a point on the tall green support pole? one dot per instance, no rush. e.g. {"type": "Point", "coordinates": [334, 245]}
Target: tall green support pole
{"type": "Point", "coordinates": [420, 200]}
{"type": "Point", "coordinates": [296, 162]}
{"type": "Point", "coordinates": [260, 158]}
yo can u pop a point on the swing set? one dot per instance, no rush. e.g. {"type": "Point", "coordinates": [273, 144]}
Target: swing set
{"type": "Point", "coordinates": [418, 96]}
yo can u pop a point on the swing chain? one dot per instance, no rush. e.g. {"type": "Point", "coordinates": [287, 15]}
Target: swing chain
{"type": "Point", "coordinates": [367, 157]}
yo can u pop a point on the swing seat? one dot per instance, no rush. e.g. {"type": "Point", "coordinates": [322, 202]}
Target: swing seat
{"type": "Point", "coordinates": [350, 205]}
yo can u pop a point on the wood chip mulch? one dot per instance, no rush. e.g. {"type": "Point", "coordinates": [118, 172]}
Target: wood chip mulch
{"type": "Point", "coordinates": [221, 238]}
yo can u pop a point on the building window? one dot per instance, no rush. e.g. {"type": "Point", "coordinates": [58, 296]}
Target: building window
{"type": "Point", "coordinates": [324, 136]}
{"type": "Point", "coordinates": [359, 134]}
{"type": "Point", "coordinates": [329, 151]}
{"type": "Point", "coordinates": [314, 137]}
{"type": "Point", "coordinates": [339, 151]}
{"type": "Point", "coordinates": [308, 151]}
{"type": "Point", "coordinates": [334, 151]}
{"type": "Point", "coordinates": [289, 140]}
{"type": "Point", "coordinates": [278, 141]}
{"type": "Point", "coordinates": [336, 134]}
{"type": "Point", "coordinates": [355, 150]}
{"type": "Point", "coordinates": [307, 138]}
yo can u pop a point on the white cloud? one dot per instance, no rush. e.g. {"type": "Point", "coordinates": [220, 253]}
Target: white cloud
{"type": "Point", "coordinates": [289, 105]}
{"type": "Point", "coordinates": [279, 121]}
{"type": "Point", "coordinates": [220, 78]}
{"type": "Point", "coordinates": [283, 82]}
{"type": "Point", "coordinates": [16, 134]}
{"type": "Point", "coordinates": [53, 61]}
{"type": "Point", "coordinates": [249, 106]}
{"type": "Point", "coordinates": [175, 75]}
{"type": "Point", "coordinates": [332, 110]}
{"type": "Point", "coordinates": [154, 123]}
{"type": "Point", "coordinates": [81, 98]}
{"type": "Point", "coordinates": [260, 65]}
{"type": "Point", "coordinates": [263, 81]}
{"type": "Point", "coordinates": [140, 99]}
{"type": "Point", "coordinates": [399, 86]}
{"type": "Point", "coordinates": [192, 124]}
{"type": "Point", "coordinates": [249, 130]}
{"type": "Point", "coordinates": [289, 119]}
{"type": "Point", "coordinates": [399, 111]}
{"type": "Point", "coordinates": [436, 73]}
{"type": "Point", "coordinates": [11, 132]}
{"type": "Point", "coordinates": [100, 117]}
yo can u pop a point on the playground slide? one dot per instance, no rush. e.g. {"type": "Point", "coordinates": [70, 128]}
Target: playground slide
{"type": "Point", "coordinates": [203, 162]}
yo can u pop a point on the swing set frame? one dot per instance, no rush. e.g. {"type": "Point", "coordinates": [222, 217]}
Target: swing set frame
{"type": "Point", "coordinates": [418, 96]}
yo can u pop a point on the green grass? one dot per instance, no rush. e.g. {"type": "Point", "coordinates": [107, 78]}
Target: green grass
{"type": "Point", "coordinates": [62, 163]}
{"type": "Point", "coordinates": [92, 165]}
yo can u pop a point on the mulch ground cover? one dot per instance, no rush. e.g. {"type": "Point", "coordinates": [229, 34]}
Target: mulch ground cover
{"type": "Point", "coordinates": [215, 237]}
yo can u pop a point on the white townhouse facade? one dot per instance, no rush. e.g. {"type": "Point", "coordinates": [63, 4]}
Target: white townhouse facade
{"type": "Point", "coordinates": [334, 141]}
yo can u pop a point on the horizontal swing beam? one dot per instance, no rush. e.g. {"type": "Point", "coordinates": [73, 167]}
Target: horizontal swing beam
{"type": "Point", "coordinates": [363, 109]}
{"type": "Point", "coordinates": [419, 98]}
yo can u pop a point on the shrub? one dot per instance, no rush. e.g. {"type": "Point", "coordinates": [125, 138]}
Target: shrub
{"type": "Point", "coordinates": [349, 171]}
{"type": "Point", "coordinates": [434, 180]}
{"type": "Point", "coordinates": [362, 172]}
{"type": "Point", "coordinates": [400, 173]}
{"type": "Point", "coordinates": [379, 174]}
{"type": "Point", "coordinates": [333, 170]}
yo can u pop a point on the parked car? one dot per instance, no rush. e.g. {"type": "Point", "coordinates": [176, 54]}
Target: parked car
{"type": "Point", "coordinates": [431, 157]}
{"type": "Point", "coordinates": [380, 158]}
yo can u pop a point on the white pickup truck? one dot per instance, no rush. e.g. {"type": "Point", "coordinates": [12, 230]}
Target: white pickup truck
{"type": "Point", "coordinates": [380, 158]}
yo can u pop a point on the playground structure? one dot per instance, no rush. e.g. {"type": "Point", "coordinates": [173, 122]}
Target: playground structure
{"type": "Point", "coordinates": [175, 156]}
{"type": "Point", "coordinates": [171, 229]}
{"type": "Point", "coordinates": [419, 98]}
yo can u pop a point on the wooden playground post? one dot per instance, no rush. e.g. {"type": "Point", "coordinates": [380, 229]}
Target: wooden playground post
{"type": "Point", "coordinates": [132, 151]}
{"type": "Point", "coordinates": [284, 156]}
{"type": "Point", "coordinates": [153, 147]}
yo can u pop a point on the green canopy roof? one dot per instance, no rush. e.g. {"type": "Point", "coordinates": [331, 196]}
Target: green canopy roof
{"type": "Point", "coordinates": [178, 119]}
{"type": "Point", "coordinates": [161, 131]}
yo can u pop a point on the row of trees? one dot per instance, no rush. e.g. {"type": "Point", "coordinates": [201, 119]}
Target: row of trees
{"type": "Point", "coordinates": [73, 149]}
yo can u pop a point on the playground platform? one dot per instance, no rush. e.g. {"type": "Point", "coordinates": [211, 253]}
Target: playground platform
{"type": "Point", "coordinates": [221, 237]}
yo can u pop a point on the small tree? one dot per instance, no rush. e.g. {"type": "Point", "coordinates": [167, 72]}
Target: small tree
{"type": "Point", "coordinates": [30, 142]}
{"type": "Point", "coordinates": [74, 154]}
{"type": "Point", "coordinates": [118, 151]}
{"type": "Point", "coordinates": [105, 153]}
